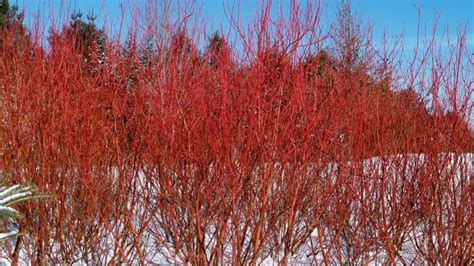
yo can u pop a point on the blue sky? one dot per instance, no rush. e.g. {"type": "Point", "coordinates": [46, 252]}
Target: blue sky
{"type": "Point", "coordinates": [393, 16]}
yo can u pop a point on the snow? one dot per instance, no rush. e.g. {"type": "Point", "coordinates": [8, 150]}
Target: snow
{"type": "Point", "coordinates": [459, 166]}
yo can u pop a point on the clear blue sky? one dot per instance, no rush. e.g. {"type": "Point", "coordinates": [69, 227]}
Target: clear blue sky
{"type": "Point", "coordinates": [393, 16]}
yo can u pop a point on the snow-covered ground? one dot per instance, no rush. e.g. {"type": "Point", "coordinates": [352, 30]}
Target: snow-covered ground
{"type": "Point", "coordinates": [461, 167]}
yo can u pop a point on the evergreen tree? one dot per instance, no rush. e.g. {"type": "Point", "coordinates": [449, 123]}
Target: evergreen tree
{"type": "Point", "coordinates": [217, 50]}
{"type": "Point", "coordinates": [347, 38]}
{"type": "Point", "coordinates": [86, 38]}
{"type": "Point", "coordinates": [11, 20]}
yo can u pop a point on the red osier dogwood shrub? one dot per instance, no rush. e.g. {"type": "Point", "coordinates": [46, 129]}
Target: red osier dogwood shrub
{"type": "Point", "coordinates": [266, 148]}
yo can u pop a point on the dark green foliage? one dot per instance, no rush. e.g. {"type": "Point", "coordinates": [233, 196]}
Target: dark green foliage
{"type": "Point", "coordinates": [216, 49]}
{"type": "Point", "coordinates": [86, 38]}
{"type": "Point", "coordinates": [7, 14]}
{"type": "Point", "coordinates": [10, 16]}
{"type": "Point", "coordinates": [11, 21]}
{"type": "Point", "coordinates": [347, 38]}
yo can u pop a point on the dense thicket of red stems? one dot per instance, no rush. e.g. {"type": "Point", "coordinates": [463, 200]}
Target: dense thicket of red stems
{"type": "Point", "coordinates": [270, 146]}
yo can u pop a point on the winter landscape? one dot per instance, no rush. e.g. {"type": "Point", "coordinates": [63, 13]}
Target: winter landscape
{"type": "Point", "coordinates": [292, 133]}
